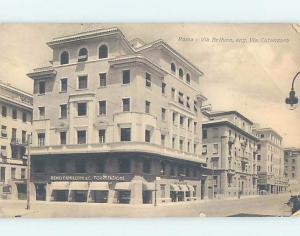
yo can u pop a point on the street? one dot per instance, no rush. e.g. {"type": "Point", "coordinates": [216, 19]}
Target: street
{"type": "Point", "coordinates": [268, 205]}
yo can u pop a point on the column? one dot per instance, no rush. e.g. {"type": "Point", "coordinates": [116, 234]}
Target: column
{"type": "Point", "coordinates": [136, 192]}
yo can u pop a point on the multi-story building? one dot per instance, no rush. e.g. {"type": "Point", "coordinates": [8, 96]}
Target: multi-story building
{"type": "Point", "coordinates": [117, 121]}
{"type": "Point", "coordinates": [15, 122]}
{"type": "Point", "coordinates": [230, 148]}
{"type": "Point", "coordinates": [292, 168]}
{"type": "Point", "coordinates": [270, 161]}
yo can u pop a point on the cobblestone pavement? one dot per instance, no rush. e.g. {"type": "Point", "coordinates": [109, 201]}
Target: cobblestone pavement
{"type": "Point", "coordinates": [251, 206]}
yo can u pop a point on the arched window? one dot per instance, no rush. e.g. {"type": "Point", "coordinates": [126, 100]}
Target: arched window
{"type": "Point", "coordinates": [83, 55]}
{"type": "Point", "coordinates": [64, 58]}
{"type": "Point", "coordinates": [188, 78]}
{"type": "Point", "coordinates": [103, 52]}
{"type": "Point", "coordinates": [173, 67]}
{"type": "Point", "coordinates": [180, 73]}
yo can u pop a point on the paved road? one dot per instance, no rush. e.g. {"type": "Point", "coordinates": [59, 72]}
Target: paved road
{"type": "Point", "coordinates": [254, 206]}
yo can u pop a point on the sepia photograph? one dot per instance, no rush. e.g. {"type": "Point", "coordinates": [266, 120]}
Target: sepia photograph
{"type": "Point", "coordinates": [149, 120]}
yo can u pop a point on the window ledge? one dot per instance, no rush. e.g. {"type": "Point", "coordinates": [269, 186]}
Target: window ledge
{"type": "Point", "coordinates": [126, 84]}
{"type": "Point", "coordinates": [102, 87]}
{"type": "Point", "coordinates": [63, 91]}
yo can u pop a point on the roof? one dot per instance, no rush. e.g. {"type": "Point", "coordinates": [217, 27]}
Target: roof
{"type": "Point", "coordinates": [222, 113]}
{"type": "Point", "coordinates": [267, 129]}
{"type": "Point", "coordinates": [163, 44]}
{"type": "Point", "coordinates": [225, 122]}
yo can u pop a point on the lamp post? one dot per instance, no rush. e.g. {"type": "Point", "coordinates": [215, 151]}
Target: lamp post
{"type": "Point", "coordinates": [28, 171]}
{"type": "Point", "coordinates": [292, 100]}
{"type": "Point", "coordinates": [155, 187]}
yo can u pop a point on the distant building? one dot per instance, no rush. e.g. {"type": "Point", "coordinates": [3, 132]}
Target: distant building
{"type": "Point", "coordinates": [117, 121]}
{"type": "Point", "coordinates": [270, 161]}
{"type": "Point", "coordinates": [230, 148]}
{"type": "Point", "coordinates": [292, 167]}
{"type": "Point", "coordinates": [15, 122]}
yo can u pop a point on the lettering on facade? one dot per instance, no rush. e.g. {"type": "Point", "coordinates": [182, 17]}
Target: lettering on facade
{"type": "Point", "coordinates": [92, 178]}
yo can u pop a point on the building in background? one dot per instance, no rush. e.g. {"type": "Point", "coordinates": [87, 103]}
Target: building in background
{"type": "Point", "coordinates": [117, 121]}
{"type": "Point", "coordinates": [292, 168]}
{"type": "Point", "coordinates": [15, 122]}
{"type": "Point", "coordinates": [270, 162]}
{"type": "Point", "coordinates": [230, 148]}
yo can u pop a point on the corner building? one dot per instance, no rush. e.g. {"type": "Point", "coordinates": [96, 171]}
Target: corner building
{"type": "Point", "coordinates": [230, 148]}
{"type": "Point", "coordinates": [292, 168]}
{"type": "Point", "coordinates": [117, 121]}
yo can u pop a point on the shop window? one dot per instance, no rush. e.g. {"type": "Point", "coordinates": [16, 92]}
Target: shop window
{"type": "Point", "coordinates": [126, 76]}
{"type": "Point", "coordinates": [63, 111]}
{"type": "Point", "coordinates": [102, 135]}
{"type": "Point", "coordinates": [124, 166]}
{"type": "Point", "coordinates": [64, 85]}
{"type": "Point", "coordinates": [102, 79]}
{"type": "Point", "coordinates": [147, 107]}
{"type": "Point", "coordinates": [81, 137]}
{"type": "Point", "coordinates": [82, 82]}
{"type": "Point", "coordinates": [64, 58]}
{"type": "Point", "coordinates": [102, 107]}
{"type": "Point", "coordinates": [125, 134]}
{"type": "Point", "coordinates": [148, 80]}
{"type": "Point", "coordinates": [147, 166]}
{"type": "Point", "coordinates": [126, 104]}
{"type": "Point", "coordinates": [103, 52]}
{"type": "Point", "coordinates": [82, 109]}
{"type": "Point", "coordinates": [80, 166]}
{"type": "Point", "coordinates": [63, 138]}
{"type": "Point", "coordinates": [83, 55]}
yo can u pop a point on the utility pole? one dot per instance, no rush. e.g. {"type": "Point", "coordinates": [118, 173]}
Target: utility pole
{"type": "Point", "coordinates": [28, 171]}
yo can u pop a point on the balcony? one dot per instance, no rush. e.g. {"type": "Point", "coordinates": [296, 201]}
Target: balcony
{"type": "Point", "coordinates": [17, 142]}
{"type": "Point", "coordinates": [141, 147]}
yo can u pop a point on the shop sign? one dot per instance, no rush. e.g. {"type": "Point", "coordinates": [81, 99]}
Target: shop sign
{"type": "Point", "coordinates": [90, 178]}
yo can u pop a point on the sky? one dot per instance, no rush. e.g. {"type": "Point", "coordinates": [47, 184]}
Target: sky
{"type": "Point", "coordinates": [250, 76]}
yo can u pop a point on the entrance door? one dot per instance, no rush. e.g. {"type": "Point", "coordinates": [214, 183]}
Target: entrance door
{"type": "Point", "coordinates": [60, 195]}
{"type": "Point", "coordinates": [80, 195]}
{"type": "Point", "coordinates": [147, 197]}
{"type": "Point", "coordinates": [22, 191]}
{"type": "Point", "coordinates": [124, 196]}
{"type": "Point", "coordinates": [40, 192]}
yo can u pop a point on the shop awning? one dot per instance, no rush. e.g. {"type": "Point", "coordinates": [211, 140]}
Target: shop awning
{"type": "Point", "coordinates": [122, 186]}
{"type": "Point", "coordinates": [174, 187]}
{"type": "Point", "coordinates": [148, 186]}
{"type": "Point", "coordinates": [191, 188]}
{"type": "Point", "coordinates": [79, 186]}
{"type": "Point", "coordinates": [184, 188]}
{"type": "Point", "coordinates": [59, 186]}
{"type": "Point", "coordinates": [99, 186]}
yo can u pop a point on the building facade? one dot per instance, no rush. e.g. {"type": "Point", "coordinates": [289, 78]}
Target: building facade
{"type": "Point", "coordinates": [15, 122]}
{"type": "Point", "coordinates": [230, 148]}
{"type": "Point", "coordinates": [117, 121]}
{"type": "Point", "coordinates": [270, 162]}
{"type": "Point", "coordinates": [292, 168]}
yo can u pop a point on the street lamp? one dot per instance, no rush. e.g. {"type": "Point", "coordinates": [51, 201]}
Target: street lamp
{"type": "Point", "coordinates": [292, 100]}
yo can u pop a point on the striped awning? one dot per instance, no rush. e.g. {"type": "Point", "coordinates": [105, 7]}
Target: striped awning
{"type": "Point", "coordinates": [184, 188]}
{"type": "Point", "coordinates": [122, 186]}
{"type": "Point", "coordinates": [148, 186]}
{"type": "Point", "coordinates": [59, 185]}
{"type": "Point", "coordinates": [191, 188]}
{"type": "Point", "coordinates": [174, 187]}
{"type": "Point", "coordinates": [79, 186]}
{"type": "Point", "coordinates": [99, 186]}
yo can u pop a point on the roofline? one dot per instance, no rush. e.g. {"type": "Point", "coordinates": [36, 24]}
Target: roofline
{"type": "Point", "coordinates": [160, 42]}
{"type": "Point", "coordinates": [14, 89]}
{"type": "Point", "coordinates": [268, 129]}
{"type": "Point", "coordinates": [42, 72]}
{"type": "Point", "coordinates": [231, 112]}
{"type": "Point", "coordinates": [297, 149]}
{"type": "Point", "coordinates": [215, 123]}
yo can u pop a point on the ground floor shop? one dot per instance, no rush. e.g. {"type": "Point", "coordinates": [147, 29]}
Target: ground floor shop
{"type": "Point", "coordinates": [270, 184]}
{"type": "Point", "coordinates": [129, 178]}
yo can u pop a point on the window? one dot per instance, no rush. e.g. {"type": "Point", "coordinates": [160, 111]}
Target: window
{"type": "Point", "coordinates": [188, 78]}
{"type": "Point", "coordinates": [2, 174]}
{"type": "Point", "coordinates": [181, 145]}
{"type": "Point", "coordinates": [195, 106]}
{"type": "Point", "coordinates": [148, 80]}
{"type": "Point", "coordinates": [181, 121]}
{"type": "Point", "coordinates": [147, 166]}
{"type": "Point", "coordinates": [102, 79]}
{"type": "Point", "coordinates": [195, 127]}
{"type": "Point", "coordinates": [64, 58]}
{"type": "Point", "coordinates": [64, 85]}
{"type": "Point", "coordinates": [173, 93]}
{"type": "Point", "coordinates": [63, 111]}
{"type": "Point", "coordinates": [258, 146]}
{"type": "Point", "coordinates": [180, 73]}
{"type": "Point", "coordinates": [189, 123]}
{"type": "Point", "coordinates": [180, 98]}
{"type": "Point", "coordinates": [293, 175]}
{"type": "Point", "coordinates": [125, 134]}
{"type": "Point", "coordinates": [103, 51]}
{"type": "Point", "coordinates": [24, 117]}
{"type": "Point", "coordinates": [14, 114]}
{"type": "Point", "coordinates": [173, 142]}
{"type": "Point", "coordinates": [195, 148]}
{"type": "Point", "coordinates": [63, 137]}
{"type": "Point", "coordinates": [163, 114]}
{"type": "Point", "coordinates": [258, 168]}
{"type": "Point", "coordinates": [188, 146]}
{"type": "Point", "coordinates": [102, 135]}
{"type": "Point", "coordinates": [41, 139]}
{"type": "Point", "coordinates": [81, 109]}
{"type": "Point", "coordinates": [81, 137]}
{"type": "Point", "coordinates": [293, 160]}
{"type": "Point", "coordinates": [23, 173]}
{"type": "Point", "coordinates": [215, 149]}
{"type": "Point", "coordinates": [204, 134]}
{"type": "Point", "coordinates": [42, 87]}
{"type": "Point", "coordinates": [3, 152]}
{"type": "Point", "coordinates": [147, 136]}
{"type": "Point", "coordinates": [147, 107]}
{"type": "Point", "coordinates": [163, 140]}
{"type": "Point", "coordinates": [204, 149]}
{"type": "Point", "coordinates": [102, 107]}
{"type": "Point", "coordinates": [124, 166]}
{"type": "Point", "coordinates": [3, 131]}
{"type": "Point", "coordinates": [173, 67]}
{"type": "Point", "coordinates": [82, 82]}
{"type": "Point", "coordinates": [4, 111]}
{"type": "Point", "coordinates": [174, 118]}
{"type": "Point", "coordinates": [14, 133]}
{"type": "Point", "coordinates": [80, 166]}
{"type": "Point", "coordinates": [163, 88]}
{"type": "Point", "coordinates": [258, 157]}
{"type": "Point", "coordinates": [126, 76]}
{"type": "Point", "coordinates": [126, 104]}
{"type": "Point", "coordinates": [188, 102]}
{"type": "Point", "coordinates": [24, 136]}
{"type": "Point", "coordinates": [162, 190]}
{"type": "Point", "coordinates": [83, 55]}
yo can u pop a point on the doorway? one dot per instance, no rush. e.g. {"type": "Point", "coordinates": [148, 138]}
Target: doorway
{"type": "Point", "coordinates": [147, 197]}
{"type": "Point", "coordinates": [40, 192]}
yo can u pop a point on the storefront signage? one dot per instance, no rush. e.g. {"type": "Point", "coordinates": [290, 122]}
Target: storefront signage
{"type": "Point", "coordinates": [92, 178]}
